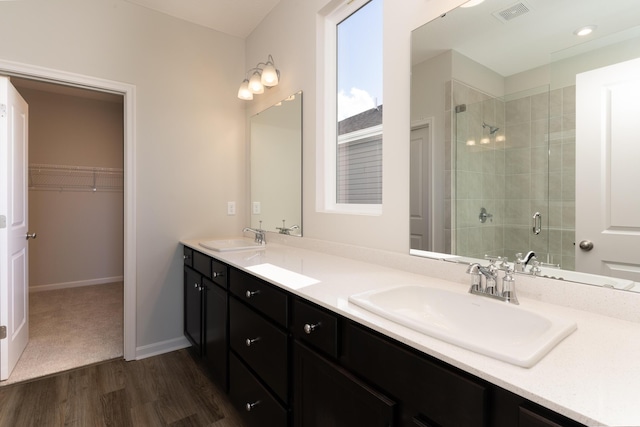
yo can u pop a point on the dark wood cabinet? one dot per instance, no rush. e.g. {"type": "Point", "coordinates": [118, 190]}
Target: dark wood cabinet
{"type": "Point", "coordinates": [287, 361]}
{"type": "Point", "coordinates": [260, 350]}
{"type": "Point", "coordinates": [216, 347]}
{"type": "Point", "coordinates": [429, 390]}
{"type": "Point", "coordinates": [328, 395]}
{"type": "Point", "coordinates": [193, 308]}
{"type": "Point", "coordinates": [206, 313]}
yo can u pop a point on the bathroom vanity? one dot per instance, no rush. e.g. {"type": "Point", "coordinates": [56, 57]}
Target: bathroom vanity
{"type": "Point", "coordinates": [291, 350]}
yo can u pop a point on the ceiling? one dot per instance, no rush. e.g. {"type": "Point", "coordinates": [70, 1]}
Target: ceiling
{"type": "Point", "coordinates": [235, 17]}
{"type": "Point", "coordinates": [526, 41]}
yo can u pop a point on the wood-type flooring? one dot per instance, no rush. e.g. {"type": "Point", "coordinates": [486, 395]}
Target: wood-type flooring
{"type": "Point", "coordinates": [166, 390]}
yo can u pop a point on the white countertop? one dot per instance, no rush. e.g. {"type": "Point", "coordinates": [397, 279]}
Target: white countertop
{"type": "Point", "coordinates": [593, 376]}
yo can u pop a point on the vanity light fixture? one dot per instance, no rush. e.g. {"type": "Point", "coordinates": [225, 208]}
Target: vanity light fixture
{"type": "Point", "coordinates": [264, 74]}
{"type": "Point", "coordinates": [585, 31]}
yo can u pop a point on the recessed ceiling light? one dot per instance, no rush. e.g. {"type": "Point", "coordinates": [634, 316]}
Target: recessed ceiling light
{"type": "Point", "coordinates": [585, 31]}
{"type": "Point", "coordinates": [472, 3]}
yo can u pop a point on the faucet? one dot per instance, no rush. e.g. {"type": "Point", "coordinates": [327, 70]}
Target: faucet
{"type": "Point", "coordinates": [259, 232]}
{"type": "Point", "coordinates": [522, 261]}
{"type": "Point", "coordinates": [287, 230]}
{"type": "Point", "coordinates": [489, 287]}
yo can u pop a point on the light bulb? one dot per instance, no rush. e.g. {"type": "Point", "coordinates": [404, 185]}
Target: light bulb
{"type": "Point", "coordinates": [269, 75]}
{"type": "Point", "coordinates": [255, 84]}
{"type": "Point", "coordinates": [244, 92]}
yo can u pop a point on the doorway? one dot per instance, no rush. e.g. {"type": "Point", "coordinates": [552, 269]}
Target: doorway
{"type": "Point", "coordinates": [75, 180]}
{"type": "Point", "coordinates": [129, 255]}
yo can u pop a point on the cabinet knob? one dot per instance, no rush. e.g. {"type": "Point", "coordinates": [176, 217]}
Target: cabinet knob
{"type": "Point", "coordinates": [249, 406]}
{"type": "Point", "coordinates": [251, 341]}
{"type": "Point", "coordinates": [308, 328]}
{"type": "Point", "coordinates": [216, 274]}
{"type": "Point", "coordinates": [185, 257]}
{"type": "Point", "coordinates": [195, 285]}
{"type": "Point", "coordinates": [249, 294]}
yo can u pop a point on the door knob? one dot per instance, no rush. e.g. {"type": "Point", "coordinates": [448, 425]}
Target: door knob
{"type": "Point", "coordinates": [586, 245]}
{"type": "Point", "coordinates": [31, 236]}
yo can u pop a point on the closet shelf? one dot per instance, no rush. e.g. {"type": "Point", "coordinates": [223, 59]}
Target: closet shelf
{"type": "Point", "coordinates": [75, 178]}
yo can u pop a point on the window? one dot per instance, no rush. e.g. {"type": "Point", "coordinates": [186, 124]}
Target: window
{"type": "Point", "coordinates": [352, 131]}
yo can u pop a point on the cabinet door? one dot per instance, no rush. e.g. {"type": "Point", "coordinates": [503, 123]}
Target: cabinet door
{"type": "Point", "coordinates": [193, 308]}
{"type": "Point", "coordinates": [215, 333]}
{"type": "Point", "coordinates": [327, 395]}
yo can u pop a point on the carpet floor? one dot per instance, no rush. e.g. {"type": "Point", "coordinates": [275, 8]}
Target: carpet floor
{"type": "Point", "coordinates": [70, 328]}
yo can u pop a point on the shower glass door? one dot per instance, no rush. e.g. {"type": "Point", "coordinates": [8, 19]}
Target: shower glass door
{"type": "Point", "coordinates": [500, 179]}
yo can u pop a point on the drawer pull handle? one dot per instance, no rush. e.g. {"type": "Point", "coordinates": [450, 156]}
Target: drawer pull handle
{"type": "Point", "coordinates": [216, 274]}
{"type": "Point", "coordinates": [250, 406]}
{"type": "Point", "coordinates": [249, 294]}
{"type": "Point", "coordinates": [308, 328]}
{"type": "Point", "coordinates": [186, 256]}
{"type": "Point", "coordinates": [250, 341]}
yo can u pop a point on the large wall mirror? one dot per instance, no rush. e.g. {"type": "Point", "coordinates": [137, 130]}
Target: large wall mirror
{"type": "Point", "coordinates": [276, 167]}
{"type": "Point", "coordinates": [525, 138]}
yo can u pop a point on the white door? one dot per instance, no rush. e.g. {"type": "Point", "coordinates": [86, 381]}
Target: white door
{"type": "Point", "coordinates": [608, 171]}
{"type": "Point", "coordinates": [14, 271]}
{"type": "Point", "coordinates": [420, 189]}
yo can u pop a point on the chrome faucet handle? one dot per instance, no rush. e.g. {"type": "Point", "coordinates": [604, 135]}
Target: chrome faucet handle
{"type": "Point", "coordinates": [535, 267]}
{"type": "Point", "coordinates": [509, 287]}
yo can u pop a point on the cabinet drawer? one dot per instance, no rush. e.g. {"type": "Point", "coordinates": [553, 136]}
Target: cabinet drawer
{"type": "Point", "coordinates": [256, 405]}
{"type": "Point", "coordinates": [260, 295]}
{"type": "Point", "coordinates": [219, 273]}
{"type": "Point", "coordinates": [187, 255]}
{"type": "Point", "coordinates": [328, 395]}
{"type": "Point", "coordinates": [316, 327]}
{"type": "Point", "coordinates": [431, 391]}
{"type": "Point", "coordinates": [261, 345]}
{"type": "Point", "coordinates": [202, 263]}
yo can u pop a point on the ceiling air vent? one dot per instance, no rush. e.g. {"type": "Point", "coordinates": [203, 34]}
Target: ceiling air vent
{"type": "Point", "coordinates": [512, 12]}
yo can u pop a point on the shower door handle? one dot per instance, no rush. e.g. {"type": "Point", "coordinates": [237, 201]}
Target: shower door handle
{"type": "Point", "coordinates": [537, 223]}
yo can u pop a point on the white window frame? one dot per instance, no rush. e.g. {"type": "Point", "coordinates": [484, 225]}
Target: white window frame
{"type": "Point", "coordinates": [326, 114]}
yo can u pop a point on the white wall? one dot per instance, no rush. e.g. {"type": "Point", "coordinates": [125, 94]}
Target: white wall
{"type": "Point", "coordinates": [289, 33]}
{"type": "Point", "coordinates": [189, 125]}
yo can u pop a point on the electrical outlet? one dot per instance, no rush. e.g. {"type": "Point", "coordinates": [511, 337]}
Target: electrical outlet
{"type": "Point", "coordinates": [255, 208]}
{"type": "Point", "coordinates": [231, 208]}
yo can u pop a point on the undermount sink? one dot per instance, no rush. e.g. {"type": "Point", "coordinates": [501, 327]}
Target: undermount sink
{"type": "Point", "coordinates": [496, 329]}
{"type": "Point", "coordinates": [224, 245]}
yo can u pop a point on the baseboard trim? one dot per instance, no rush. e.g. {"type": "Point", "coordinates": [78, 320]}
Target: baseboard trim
{"type": "Point", "coordinates": [161, 347]}
{"type": "Point", "coordinates": [79, 283]}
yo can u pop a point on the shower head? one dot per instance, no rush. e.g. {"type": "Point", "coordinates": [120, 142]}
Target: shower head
{"type": "Point", "coordinates": [492, 129]}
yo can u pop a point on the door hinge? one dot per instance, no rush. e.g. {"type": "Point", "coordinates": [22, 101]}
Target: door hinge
{"type": "Point", "coordinates": [3, 110]}
{"type": "Point", "coordinates": [3, 221]}
{"type": "Point", "coordinates": [3, 332]}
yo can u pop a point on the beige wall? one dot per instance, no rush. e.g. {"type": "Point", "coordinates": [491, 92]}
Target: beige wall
{"type": "Point", "coordinates": [80, 233]}
{"type": "Point", "coordinates": [289, 34]}
{"type": "Point", "coordinates": [189, 126]}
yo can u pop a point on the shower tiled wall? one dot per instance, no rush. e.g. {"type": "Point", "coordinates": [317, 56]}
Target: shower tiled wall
{"type": "Point", "coordinates": [477, 172]}
{"type": "Point", "coordinates": [527, 166]}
